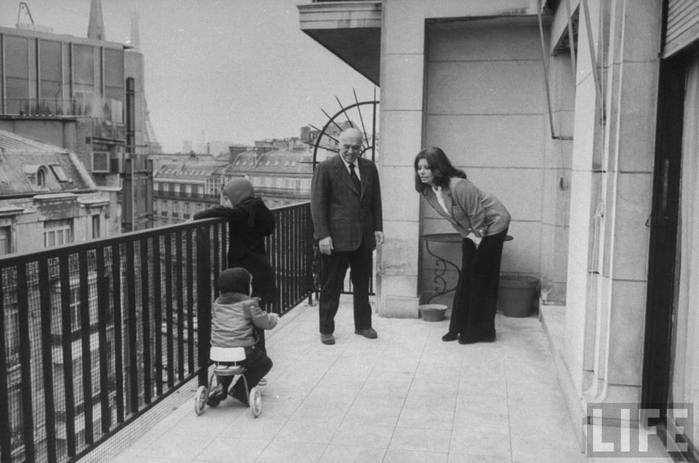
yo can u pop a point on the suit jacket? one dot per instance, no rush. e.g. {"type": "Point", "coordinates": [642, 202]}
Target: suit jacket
{"type": "Point", "coordinates": [342, 212]}
{"type": "Point", "coordinates": [472, 210]}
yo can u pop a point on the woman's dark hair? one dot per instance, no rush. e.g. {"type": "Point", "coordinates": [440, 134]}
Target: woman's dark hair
{"type": "Point", "coordinates": [441, 168]}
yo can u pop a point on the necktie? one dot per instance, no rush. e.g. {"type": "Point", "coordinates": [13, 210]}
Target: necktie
{"type": "Point", "coordinates": [354, 177]}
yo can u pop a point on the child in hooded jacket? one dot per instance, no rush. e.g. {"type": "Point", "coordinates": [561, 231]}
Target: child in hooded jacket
{"type": "Point", "coordinates": [249, 222]}
{"type": "Point", "coordinates": [234, 318]}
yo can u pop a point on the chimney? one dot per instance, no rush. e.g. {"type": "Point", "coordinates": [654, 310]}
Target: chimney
{"type": "Point", "coordinates": [306, 134]}
{"type": "Point", "coordinates": [95, 28]}
{"type": "Point", "coordinates": [135, 35]}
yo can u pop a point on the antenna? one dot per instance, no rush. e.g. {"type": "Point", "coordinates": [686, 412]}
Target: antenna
{"type": "Point", "coordinates": [23, 7]}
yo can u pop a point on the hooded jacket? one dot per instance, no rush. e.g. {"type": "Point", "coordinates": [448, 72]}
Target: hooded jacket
{"type": "Point", "coordinates": [249, 222]}
{"type": "Point", "coordinates": [234, 316]}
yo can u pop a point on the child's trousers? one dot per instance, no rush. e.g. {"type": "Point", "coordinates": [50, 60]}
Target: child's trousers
{"type": "Point", "coordinates": [256, 364]}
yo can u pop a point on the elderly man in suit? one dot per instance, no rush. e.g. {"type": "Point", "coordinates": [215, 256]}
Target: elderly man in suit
{"type": "Point", "coordinates": [347, 222]}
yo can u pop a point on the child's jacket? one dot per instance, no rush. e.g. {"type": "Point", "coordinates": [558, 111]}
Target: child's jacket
{"type": "Point", "coordinates": [233, 318]}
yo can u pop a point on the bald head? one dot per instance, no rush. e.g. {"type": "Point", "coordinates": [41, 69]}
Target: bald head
{"type": "Point", "coordinates": [351, 144]}
{"type": "Point", "coordinates": [351, 133]}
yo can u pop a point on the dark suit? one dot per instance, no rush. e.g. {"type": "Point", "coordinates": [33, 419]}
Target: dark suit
{"type": "Point", "coordinates": [350, 216]}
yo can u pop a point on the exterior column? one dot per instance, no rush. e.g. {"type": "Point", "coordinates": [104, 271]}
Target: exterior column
{"type": "Point", "coordinates": [402, 68]}
{"type": "Point", "coordinates": [626, 200]}
{"type": "Point", "coordinates": [610, 201]}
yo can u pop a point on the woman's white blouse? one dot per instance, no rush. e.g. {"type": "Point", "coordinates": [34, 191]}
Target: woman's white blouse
{"type": "Point", "coordinates": [438, 193]}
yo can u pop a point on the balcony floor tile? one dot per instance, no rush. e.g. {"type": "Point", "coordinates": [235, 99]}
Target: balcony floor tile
{"type": "Point", "coordinates": [406, 396]}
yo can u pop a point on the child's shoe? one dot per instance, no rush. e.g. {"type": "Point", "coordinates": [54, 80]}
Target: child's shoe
{"type": "Point", "coordinates": [216, 396]}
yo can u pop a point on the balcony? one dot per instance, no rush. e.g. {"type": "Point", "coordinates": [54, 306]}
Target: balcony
{"type": "Point", "coordinates": [349, 29]}
{"type": "Point", "coordinates": [95, 334]}
{"type": "Point", "coordinates": [122, 390]}
{"type": "Point", "coordinates": [46, 107]}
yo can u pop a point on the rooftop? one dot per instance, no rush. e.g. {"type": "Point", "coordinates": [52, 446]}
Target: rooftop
{"type": "Point", "coordinates": [23, 160]}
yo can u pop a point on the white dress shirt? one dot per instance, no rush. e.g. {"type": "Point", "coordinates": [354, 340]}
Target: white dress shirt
{"type": "Point", "coordinates": [356, 167]}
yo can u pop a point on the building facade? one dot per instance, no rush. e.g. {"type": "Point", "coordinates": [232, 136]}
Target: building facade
{"type": "Point", "coordinates": [280, 176]}
{"type": "Point", "coordinates": [84, 94]}
{"type": "Point", "coordinates": [47, 197]}
{"type": "Point", "coordinates": [182, 188]}
{"type": "Point", "coordinates": [579, 116]}
{"type": "Point", "coordinates": [280, 170]}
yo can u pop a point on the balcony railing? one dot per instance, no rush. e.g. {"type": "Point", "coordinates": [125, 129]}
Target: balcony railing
{"type": "Point", "coordinates": [95, 334]}
{"type": "Point", "coordinates": [47, 107]}
{"type": "Point", "coordinates": [204, 197]}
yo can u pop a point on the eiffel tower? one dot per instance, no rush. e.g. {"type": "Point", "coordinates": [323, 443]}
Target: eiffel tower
{"type": "Point", "coordinates": [149, 139]}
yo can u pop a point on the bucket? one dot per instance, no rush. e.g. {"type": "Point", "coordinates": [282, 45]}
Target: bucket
{"type": "Point", "coordinates": [432, 312]}
{"type": "Point", "coordinates": [516, 295]}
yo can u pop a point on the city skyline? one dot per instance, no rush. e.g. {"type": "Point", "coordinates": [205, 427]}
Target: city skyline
{"type": "Point", "coordinates": [217, 70]}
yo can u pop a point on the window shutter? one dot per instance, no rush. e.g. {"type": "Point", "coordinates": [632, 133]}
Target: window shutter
{"type": "Point", "coordinates": [682, 25]}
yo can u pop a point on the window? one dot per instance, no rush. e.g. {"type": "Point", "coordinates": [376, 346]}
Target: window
{"type": "Point", "coordinates": [50, 74]}
{"type": "Point", "coordinates": [5, 240]}
{"type": "Point", "coordinates": [16, 74]}
{"type": "Point", "coordinates": [84, 65]}
{"type": "Point", "coordinates": [41, 177]}
{"type": "Point", "coordinates": [58, 232]}
{"type": "Point", "coordinates": [95, 226]}
{"type": "Point", "coordinates": [114, 84]}
{"type": "Point", "coordinates": [75, 320]}
{"type": "Point", "coordinates": [60, 174]}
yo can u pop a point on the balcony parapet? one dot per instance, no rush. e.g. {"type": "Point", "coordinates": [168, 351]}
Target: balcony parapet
{"type": "Point", "coordinates": [349, 29]}
{"type": "Point", "coordinates": [340, 14]}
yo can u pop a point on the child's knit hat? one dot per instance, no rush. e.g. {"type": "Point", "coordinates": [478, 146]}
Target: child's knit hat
{"type": "Point", "coordinates": [238, 190]}
{"type": "Point", "coordinates": [234, 280]}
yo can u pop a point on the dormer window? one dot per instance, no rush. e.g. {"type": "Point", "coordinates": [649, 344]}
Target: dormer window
{"type": "Point", "coordinates": [60, 174]}
{"type": "Point", "coordinates": [41, 177]}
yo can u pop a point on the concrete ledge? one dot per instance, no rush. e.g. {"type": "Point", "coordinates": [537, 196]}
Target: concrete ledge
{"type": "Point", "coordinates": [552, 318]}
{"type": "Point", "coordinates": [399, 307]}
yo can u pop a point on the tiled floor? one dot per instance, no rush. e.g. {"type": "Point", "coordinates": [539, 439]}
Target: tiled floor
{"type": "Point", "coordinates": [404, 397]}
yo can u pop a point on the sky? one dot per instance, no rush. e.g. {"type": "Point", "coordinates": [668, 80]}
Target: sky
{"type": "Point", "coordinates": [233, 70]}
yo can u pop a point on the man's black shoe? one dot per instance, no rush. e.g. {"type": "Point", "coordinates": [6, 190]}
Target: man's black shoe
{"type": "Point", "coordinates": [368, 333]}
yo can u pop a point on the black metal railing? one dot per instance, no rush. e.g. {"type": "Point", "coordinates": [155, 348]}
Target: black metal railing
{"type": "Point", "coordinates": [95, 334]}
{"type": "Point", "coordinates": [203, 197]}
{"type": "Point", "coordinates": [47, 107]}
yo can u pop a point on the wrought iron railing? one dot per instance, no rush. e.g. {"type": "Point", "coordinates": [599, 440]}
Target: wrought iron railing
{"type": "Point", "coordinates": [95, 334]}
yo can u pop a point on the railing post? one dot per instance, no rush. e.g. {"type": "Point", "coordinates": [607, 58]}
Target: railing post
{"type": "Point", "coordinates": [5, 432]}
{"type": "Point", "coordinates": [25, 365]}
{"type": "Point", "coordinates": [203, 300]}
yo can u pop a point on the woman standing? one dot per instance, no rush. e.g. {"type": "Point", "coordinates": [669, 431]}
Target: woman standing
{"type": "Point", "coordinates": [470, 211]}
